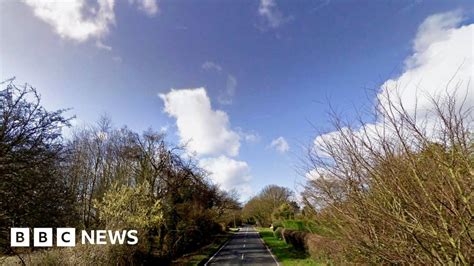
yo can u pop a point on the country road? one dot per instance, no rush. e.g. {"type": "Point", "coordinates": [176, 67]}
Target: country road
{"type": "Point", "coordinates": [245, 248]}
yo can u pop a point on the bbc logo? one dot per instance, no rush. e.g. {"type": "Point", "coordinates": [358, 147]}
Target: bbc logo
{"type": "Point", "coordinates": [43, 237]}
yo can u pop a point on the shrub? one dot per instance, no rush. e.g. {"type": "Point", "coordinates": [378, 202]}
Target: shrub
{"type": "Point", "coordinates": [125, 207]}
{"type": "Point", "coordinates": [296, 225]}
{"type": "Point", "coordinates": [295, 238]}
{"type": "Point", "coordinates": [400, 192]}
{"type": "Point", "coordinates": [324, 249]}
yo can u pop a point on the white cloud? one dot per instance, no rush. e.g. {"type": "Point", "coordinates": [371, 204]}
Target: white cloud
{"type": "Point", "coordinates": [204, 130]}
{"type": "Point", "coordinates": [442, 61]}
{"type": "Point", "coordinates": [81, 20]}
{"type": "Point", "coordinates": [248, 136]}
{"type": "Point", "coordinates": [320, 5]}
{"type": "Point", "coordinates": [149, 7]}
{"type": "Point", "coordinates": [69, 20]}
{"type": "Point", "coordinates": [227, 172]}
{"type": "Point", "coordinates": [280, 145]}
{"type": "Point", "coordinates": [101, 45]}
{"type": "Point", "coordinates": [318, 173]}
{"type": "Point", "coordinates": [117, 59]}
{"type": "Point", "coordinates": [208, 65]}
{"type": "Point", "coordinates": [229, 92]}
{"type": "Point", "coordinates": [207, 132]}
{"type": "Point", "coordinates": [434, 29]}
{"type": "Point", "coordinates": [269, 11]}
{"type": "Point", "coordinates": [313, 175]}
{"type": "Point", "coordinates": [164, 129]}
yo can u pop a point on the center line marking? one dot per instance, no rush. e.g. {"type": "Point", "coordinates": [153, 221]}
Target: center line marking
{"type": "Point", "coordinates": [242, 256]}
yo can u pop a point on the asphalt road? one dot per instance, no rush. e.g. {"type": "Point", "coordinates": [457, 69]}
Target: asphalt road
{"type": "Point", "coordinates": [245, 248]}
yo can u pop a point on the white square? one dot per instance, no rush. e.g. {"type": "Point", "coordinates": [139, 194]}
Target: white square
{"type": "Point", "coordinates": [65, 237]}
{"type": "Point", "coordinates": [19, 237]}
{"type": "Point", "coordinates": [43, 237]}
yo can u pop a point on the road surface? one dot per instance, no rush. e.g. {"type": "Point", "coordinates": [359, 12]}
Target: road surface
{"type": "Point", "coordinates": [245, 248]}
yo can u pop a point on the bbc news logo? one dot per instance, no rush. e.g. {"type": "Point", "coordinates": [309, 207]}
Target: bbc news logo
{"type": "Point", "coordinates": [66, 237]}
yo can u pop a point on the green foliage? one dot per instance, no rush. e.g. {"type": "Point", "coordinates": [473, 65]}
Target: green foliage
{"type": "Point", "coordinates": [276, 225]}
{"type": "Point", "coordinates": [285, 211]}
{"type": "Point", "coordinates": [123, 179]}
{"type": "Point", "coordinates": [285, 253]}
{"type": "Point", "coordinates": [278, 233]}
{"type": "Point", "coordinates": [297, 225]}
{"type": "Point", "coordinates": [124, 207]}
{"type": "Point", "coordinates": [261, 207]}
{"type": "Point", "coordinates": [102, 177]}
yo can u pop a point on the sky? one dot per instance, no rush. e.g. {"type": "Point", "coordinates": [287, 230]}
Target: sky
{"type": "Point", "coordinates": [247, 85]}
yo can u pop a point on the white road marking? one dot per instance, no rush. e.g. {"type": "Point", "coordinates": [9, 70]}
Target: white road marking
{"type": "Point", "coordinates": [225, 244]}
{"type": "Point", "coordinates": [269, 251]}
{"type": "Point", "coordinates": [242, 257]}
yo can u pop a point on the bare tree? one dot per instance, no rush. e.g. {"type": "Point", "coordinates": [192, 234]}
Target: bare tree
{"type": "Point", "coordinates": [400, 191]}
{"type": "Point", "coordinates": [32, 191]}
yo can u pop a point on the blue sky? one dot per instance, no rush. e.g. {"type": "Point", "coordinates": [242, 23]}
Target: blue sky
{"type": "Point", "coordinates": [269, 69]}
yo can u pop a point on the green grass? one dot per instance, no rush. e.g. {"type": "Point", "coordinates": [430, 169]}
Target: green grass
{"type": "Point", "coordinates": [200, 256]}
{"type": "Point", "coordinates": [295, 225]}
{"type": "Point", "coordinates": [285, 253]}
{"type": "Point", "coordinates": [307, 226]}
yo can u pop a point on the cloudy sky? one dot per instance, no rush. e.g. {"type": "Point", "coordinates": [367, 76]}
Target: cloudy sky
{"type": "Point", "coordinates": [243, 83]}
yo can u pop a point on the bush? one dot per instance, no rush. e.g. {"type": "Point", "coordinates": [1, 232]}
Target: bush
{"type": "Point", "coordinates": [324, 249]}
{"type": "Point", "coordinates": [296, 225]}
{"type": "Point", "coordinates": [401, 192]}
{"type": "Point", "coordinates": [124, 207]}
{"type": "Point", "coordinates": [296, 239]}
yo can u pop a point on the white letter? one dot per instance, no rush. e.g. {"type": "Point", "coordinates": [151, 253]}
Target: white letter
{"type": "Point", "coordinates": [114, 235]}
{"type": "Point", "coordinates": [65, 237]}
{"type": "Point", "coordinates": [101, 237]}
{"type": "Point", "coordinates": [43, 237]}
{"type": "Point", "coordinates": [85, 236]}
{"type": "Point", "coordinates": [19, 237]}
{"type": "Point", "coordinates": [132, 234]}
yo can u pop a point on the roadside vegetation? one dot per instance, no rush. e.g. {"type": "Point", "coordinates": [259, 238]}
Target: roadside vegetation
{"type": "Point", "coordinates": [400, 191]}
{"type": "Point", "coordinates": [285, 253]}
{"type": "Point", "coordinates": [202, 255]}
{"type": "Point", "coordinates": [101, 177]}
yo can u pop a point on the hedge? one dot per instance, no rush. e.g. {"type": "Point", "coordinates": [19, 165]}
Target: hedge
{"type": "Point", "coordinates": [320, 248]}
{"type": "Point", "coordinates": [296, 238]}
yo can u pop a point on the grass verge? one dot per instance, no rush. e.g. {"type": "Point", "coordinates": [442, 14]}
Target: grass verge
{"type": "Point", "coordinates": [285, 253]}
{"type": "Point", "coordinates": [202, 255]}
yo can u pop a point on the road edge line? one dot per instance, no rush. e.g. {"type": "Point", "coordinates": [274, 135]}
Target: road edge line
{"type": "Point", "coordinates": [219, 250]}
{"type": "Point", "coordinates": [266, 246]}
